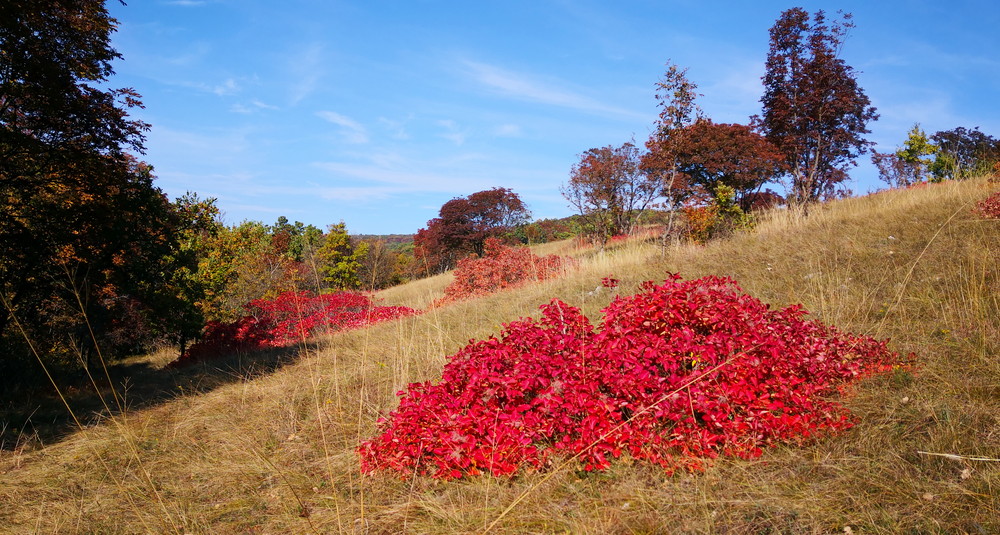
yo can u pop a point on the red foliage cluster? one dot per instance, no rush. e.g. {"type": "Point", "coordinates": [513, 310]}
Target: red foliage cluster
{"type": "Point", "coordinates": [500, 268]}
{"type": "Point", "coordinates": [675, 375]}
{"type": "Point", "coordinates": [287, 319]}
{"type": "Point", "coordinates": [989, 207]}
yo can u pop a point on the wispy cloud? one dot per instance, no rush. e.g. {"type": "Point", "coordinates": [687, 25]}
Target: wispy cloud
{"type": "Point", "coordinates": [413, 177]}
{"type": "Point", "coordinates": [396, 128]}
{"type": "Point", "coordinates": [352, 130]}
{"type": "Point", "coordinates": [251, 107]}
{"type": "Point", "coordinates": [525, 87]}
{"type": "Point", "coordinates": [229, 87]}
{"type": "Point", "coordinates": [452, 132]}
{"type": "Point", "coordinates": [507, 130]}
{"type": "Point", "coordinates": [306, 69]}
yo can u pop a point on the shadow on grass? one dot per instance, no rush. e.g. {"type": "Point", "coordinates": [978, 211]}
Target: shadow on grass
{"type": "Point", "coordinates": [34, 416]}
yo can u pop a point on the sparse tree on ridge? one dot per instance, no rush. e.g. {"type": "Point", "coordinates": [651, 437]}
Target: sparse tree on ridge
{"type": "Point", "coordinates": [676, 96]}
{"type": "Point", "coordinates": [814, 111]}
{"type": "Point", "coordinates": [611, 189]}
{"type": "Point", "coordinates": [963, 153]}
{"type": "Point", "coordinates": [463, 225]}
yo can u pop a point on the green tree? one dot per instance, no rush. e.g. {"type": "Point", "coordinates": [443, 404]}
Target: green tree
{"type": "Point", "coordinates": [341, 258]}
{"type": "Point", "coordinates": [197, 229]}
{"type": "Point", "coordinates": [918, 151]}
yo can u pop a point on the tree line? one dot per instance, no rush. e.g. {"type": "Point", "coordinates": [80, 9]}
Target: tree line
{"type": "Point", "coordinates": [809, 133]}
{"type": "Point", "coordinates": [96, 262]}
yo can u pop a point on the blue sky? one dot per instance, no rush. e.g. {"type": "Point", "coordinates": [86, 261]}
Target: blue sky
{"type": "Point", "coordinates": [377, 112]}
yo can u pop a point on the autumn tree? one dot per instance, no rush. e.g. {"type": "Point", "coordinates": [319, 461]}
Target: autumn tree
{"type": "Point", "coordinates": [83, 231]}
{"type": "Point", "coordinates": [964, 153]}
{"type": "Point", "coordinates": [814, 111]}
{"type": "Point", "coordinates": [610, 189]}
{"type": "Point", "coordinates": [713, 154]}
{"type": "Point", "coordinates": [463, 225]}
{"type": "Point", "coordinates": [380, 268]}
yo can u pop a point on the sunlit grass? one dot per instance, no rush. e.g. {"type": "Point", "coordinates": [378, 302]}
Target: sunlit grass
{"type": "Point", "coordinates": [267, 442]}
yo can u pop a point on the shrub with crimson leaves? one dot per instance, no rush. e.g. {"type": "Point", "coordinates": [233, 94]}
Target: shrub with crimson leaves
{"type": "Point", "coordinates": [989, 207]}
{"type": "Point", "coordinates": [289, 318]}
{"type": "Point", "coordinates": [676, 375]}
{"type": "Point", "coordinates": [501, 267]}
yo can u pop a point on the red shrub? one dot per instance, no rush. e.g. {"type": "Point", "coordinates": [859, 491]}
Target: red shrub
{"type": "Point", "coordinates": [500, 268]}
{"type": "Point", "coordinates": [680, 373]}
{"type": "Point", "coordinates": [989, 207]}
{"type": "Point", "coordinates": [289, 318]}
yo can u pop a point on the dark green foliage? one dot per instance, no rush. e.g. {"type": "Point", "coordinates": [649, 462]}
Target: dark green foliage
{"type": "Point", "coordinates": [83, 231]}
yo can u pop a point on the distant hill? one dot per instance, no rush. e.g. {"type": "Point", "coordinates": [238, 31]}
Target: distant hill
{"type": "Point", "coordinates": [392, 241]}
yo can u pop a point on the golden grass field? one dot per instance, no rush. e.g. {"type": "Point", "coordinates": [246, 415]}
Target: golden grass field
{"type": "Point", "coordinates": [265, 443]}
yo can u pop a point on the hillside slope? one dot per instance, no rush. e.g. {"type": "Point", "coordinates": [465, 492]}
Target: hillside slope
{"type": "Point", "coordinates": [270, 447]}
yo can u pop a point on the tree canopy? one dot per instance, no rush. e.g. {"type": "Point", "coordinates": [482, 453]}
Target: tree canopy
{"type": "Point", "coordinates": [610, 188]}
{"type": "Point", "coordinates": [463, 225]}
{"type": "Point", "coordinates": [814, 111]}
{"type": "Point", "coordinates": [83, 231]}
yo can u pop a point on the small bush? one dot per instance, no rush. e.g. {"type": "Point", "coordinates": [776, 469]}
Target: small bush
{"type": "Point", "coordinates": [675, 375]}
{"type": "Point", "coordinates": [287, 319]}
{"type": "Point", "coordinates": [500, 268]}
{"type": "Point", "coordinates": [989, 207]}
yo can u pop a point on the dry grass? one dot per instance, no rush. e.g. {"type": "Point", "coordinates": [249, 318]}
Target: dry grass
{"type": "Point", "coordinates": [265, 443]}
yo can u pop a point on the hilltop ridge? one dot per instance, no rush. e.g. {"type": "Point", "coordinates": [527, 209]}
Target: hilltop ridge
{"type": "Point", "coordinates": [267, 443]}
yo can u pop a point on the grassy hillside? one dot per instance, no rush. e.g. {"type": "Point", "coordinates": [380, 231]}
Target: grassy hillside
{"type": "Point", "coordinates": [266, 443]}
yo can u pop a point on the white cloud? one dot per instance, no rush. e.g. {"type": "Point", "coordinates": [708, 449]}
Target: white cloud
{"type": "Point", "coordinates": [452, 131]}
{"type": "Point", "coordinates": [507, 130]}
{"type": "Point", "coordinates": [306, 69]}
{"type": "Point", "coordinates": [396, 128]}
{"type": "Point", "coordinates": [262, 105]}
{"type": "Point", "coordinates": [228, 87]}
{"type": "Point", "coordinates": [352, 130]}
{"type": "Point", "coordinates": [523, 87]}
{"type": "Point", "coordinates": [253, 106]}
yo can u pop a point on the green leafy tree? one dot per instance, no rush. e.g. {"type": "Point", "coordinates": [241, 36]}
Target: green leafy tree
{"type": "Point", "coordinates": [198, 228]}
{"type": "Point", "coordinates": [911, 163]}
{"type": "Point", "coordinates": [341, 258]}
